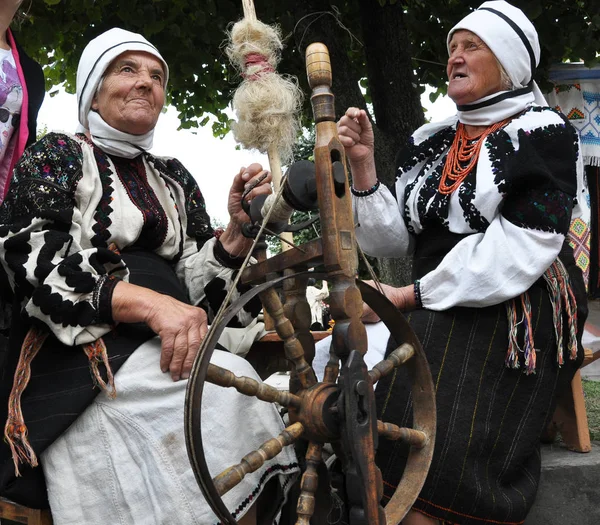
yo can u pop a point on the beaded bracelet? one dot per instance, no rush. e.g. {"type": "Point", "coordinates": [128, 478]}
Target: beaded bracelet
{"type": "Point", "coordinates": [365, 193]}
{"type": "Point", "coordinates": [417, 288]}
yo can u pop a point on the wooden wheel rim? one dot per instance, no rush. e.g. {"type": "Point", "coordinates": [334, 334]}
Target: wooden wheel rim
{"type": "Point", "coordinates": [424, 415]}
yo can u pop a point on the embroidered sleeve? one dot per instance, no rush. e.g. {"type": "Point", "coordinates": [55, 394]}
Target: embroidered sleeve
{"type": "Point", "coordinates": [205, 275]}
{"type": "Point", "coordinates": [540, 183]}
{"type": "Point", "coordinates": [67, 287]}
{"type": "Point", "coordinates": [388, 219]}
{"type": "Point", "coordinates": [539, 209]}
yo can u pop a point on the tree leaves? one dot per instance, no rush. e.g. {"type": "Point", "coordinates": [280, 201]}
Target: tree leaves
{"type": "Point", "coordinates": [190, 35]}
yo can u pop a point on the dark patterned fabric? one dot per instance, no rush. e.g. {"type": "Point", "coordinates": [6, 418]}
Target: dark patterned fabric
{"type": "Point", "coordinates": [546, 210]}
{"type": "Point", "coordinates": [423, 156]}
{"type": "Point", "coordinates": [104, 209]}
{"type": "Point", "coordinates": [132, 175]}
{"type": "Point", "coordinates": [199, 227]}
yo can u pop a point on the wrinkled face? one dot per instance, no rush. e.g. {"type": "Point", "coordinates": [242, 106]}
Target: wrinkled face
{"type": "Point", "coordinates": [132, 93]}
{"type": "Point", "coordinates": [472, 70]}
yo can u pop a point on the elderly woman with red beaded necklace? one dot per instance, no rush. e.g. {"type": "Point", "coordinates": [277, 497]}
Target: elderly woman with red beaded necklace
{"type": "Point", "coordinates": [483, 202]}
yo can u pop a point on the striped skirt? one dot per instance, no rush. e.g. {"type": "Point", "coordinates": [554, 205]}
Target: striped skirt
{"type": "Point", "coordinates": [486, 463]}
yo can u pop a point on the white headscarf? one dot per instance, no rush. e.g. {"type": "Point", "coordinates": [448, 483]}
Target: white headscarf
{"type": "Point", "coordinates": [95, 59]}
{"type": "Point", "coordinates": [510, 35]}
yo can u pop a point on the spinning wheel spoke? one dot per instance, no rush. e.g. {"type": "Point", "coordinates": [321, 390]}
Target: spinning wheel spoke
{"type": "Point", "coordinates": [397, 358]}
{"type": "Point", "coordinates": [251, 462]}
{"type": "Point", "coordinates": [308, 486]}
{"type": "Point", "coordinates": [250, 387]}
{"type": "Point", "coordinates": [413, 437]}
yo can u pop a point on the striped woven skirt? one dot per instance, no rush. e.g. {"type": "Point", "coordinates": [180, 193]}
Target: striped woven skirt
{"type": "Point", "coordinates": [486, 463]}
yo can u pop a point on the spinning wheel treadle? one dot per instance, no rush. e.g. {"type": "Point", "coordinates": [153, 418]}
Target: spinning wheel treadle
{"type": "Point", "coordinates": [341, 409]}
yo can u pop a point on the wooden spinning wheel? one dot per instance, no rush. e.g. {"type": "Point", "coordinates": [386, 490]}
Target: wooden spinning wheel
{"type": "Point", "coordinates": [341, 409]}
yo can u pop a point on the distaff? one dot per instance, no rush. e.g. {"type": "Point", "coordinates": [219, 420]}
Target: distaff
{"type": "Point", "coordinates": [266, 104]}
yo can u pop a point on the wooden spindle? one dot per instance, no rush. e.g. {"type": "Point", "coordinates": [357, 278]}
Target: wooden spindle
{"type": "Point", "coordinates": [397, 358]}
{"type": "Point", "coordinates": [250, 387]}
{"type": "Point", "coordinates": [292, 346]}
{"type": "Point", "coordinates": [414, 438]}
{"type": "Point", "coordinates": [229, 478]}
{"type": "Point", "coordinates": [309, 484]}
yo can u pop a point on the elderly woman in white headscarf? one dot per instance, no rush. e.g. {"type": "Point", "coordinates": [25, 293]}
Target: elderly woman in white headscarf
{"type": "Point", "coordinates": [107, 246]}
{"type": "Point", "coordinates": [483, 202]}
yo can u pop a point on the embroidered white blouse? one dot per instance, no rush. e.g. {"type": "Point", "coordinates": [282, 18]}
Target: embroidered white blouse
{"type": "Point", "coordinates": [516, 207]}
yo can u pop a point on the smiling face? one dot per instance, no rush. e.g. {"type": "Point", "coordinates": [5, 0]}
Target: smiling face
{"type": "Point", "coordinates": [473, 71]}
{"type": "Point", "coordinates": [132, 93]}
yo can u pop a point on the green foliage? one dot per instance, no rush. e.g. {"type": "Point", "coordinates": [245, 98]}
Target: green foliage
{"type": "Point", "coordinates": [41, 131]}
{"type": "Point", "coordinates": [190, 34]}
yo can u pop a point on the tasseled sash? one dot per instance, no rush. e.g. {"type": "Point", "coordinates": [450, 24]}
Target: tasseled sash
{"type": "Point", "coordinates": [15, 431]}
{"type": "Point", "coordinates": [564, 306]}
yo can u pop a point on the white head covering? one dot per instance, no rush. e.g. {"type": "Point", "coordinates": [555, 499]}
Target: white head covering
{"type": "Point", "coordinates": [94, 61]}
{"type": "Point", "coordinates": [510, 35]}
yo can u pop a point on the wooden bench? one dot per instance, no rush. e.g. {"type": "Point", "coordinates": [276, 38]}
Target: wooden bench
{"type": "Point", "coordinates": [570, 416]}
{"type": "Point", "coordinates": [20, 514]}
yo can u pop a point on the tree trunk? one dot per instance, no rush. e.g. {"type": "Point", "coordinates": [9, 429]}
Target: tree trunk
{"type": "Point", "coordinates": [396, 101]}
{"type": "Point", "coordinates": [315, 21]}
{"type": "Point", "coordinates": [392, 86]}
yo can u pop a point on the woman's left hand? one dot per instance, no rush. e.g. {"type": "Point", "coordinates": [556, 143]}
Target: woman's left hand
{"type": "Point", "coordinates": [403, 298]}
{"type": "Point", "coordinates": [251, 177]}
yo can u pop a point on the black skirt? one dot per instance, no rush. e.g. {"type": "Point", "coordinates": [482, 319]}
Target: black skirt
{"type": "Point", "coordinates": [486, 463]}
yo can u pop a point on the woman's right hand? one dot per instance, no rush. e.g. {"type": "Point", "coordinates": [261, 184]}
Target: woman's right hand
{"type": "Point", "coordinates": [181, 327]}
{"type": "Point", "coordinates": [356, 135]}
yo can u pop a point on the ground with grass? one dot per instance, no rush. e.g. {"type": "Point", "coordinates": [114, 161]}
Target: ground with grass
{"type": "Point", "coordinates": [591, 390]}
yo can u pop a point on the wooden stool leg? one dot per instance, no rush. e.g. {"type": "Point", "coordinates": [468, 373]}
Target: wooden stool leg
{"type": "Point", "coordinates": [570, 417]}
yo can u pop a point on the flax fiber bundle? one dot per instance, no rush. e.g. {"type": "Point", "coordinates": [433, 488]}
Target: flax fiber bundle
{"type": "Point", "coordinates": [266, 104]}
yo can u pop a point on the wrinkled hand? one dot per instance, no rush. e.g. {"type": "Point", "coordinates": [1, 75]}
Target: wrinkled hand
{"type": "Point", "coordinates": [247, 177]}
{"type": "Point", "coordinates": [181, 328]}
{"type": "Point", "coordinates": [402, 298]}
{"type": "Point", "coordinates": [368, 315]}
{"type": "Point", "coordinates": [356, 135]}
